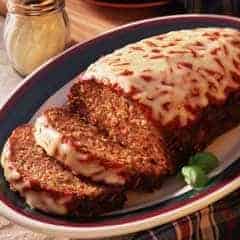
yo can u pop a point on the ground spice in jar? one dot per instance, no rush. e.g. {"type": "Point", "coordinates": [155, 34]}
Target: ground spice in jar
{"type": "Point", "coordinates": [34, 32]}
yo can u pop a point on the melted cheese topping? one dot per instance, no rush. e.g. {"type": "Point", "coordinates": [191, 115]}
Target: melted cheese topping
{"type": "Point", "coordinates": [47, 203]}
{"type": "Point", "coordinates": [10, 172]}
{"type": "Point", "coordinates": [51, 141]}
{"type": "Point", "coordinates": [176, 74]}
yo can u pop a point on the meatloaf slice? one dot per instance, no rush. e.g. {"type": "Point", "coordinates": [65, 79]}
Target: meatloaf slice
{"type": "Point", "coordinates": [121, 117]}
{"type": "Point", "coordinates": [47, 186]}
{"type": "Point", "coordinates": [175, 91]}
{"type": "Point", "coordinates": [87, 152]}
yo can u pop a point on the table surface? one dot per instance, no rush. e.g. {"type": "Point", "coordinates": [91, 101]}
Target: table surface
{"type": "Point", "coordinates": [87, 20]}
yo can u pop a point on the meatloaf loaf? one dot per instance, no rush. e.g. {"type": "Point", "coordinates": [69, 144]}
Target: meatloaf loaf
{"type": "Point", "coordinates": [88, 152]}
{"type": "Point", "coordinates": [47, 186]}
{"type": "Point", "coordinates": [173, 92]}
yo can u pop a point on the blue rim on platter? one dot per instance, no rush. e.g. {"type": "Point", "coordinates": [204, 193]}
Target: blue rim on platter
{"type": "Point", "coordinates": [26, 99]}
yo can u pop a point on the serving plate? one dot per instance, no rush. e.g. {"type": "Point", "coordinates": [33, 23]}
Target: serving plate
{"type": "Point", "coordinates": [128, 4]}
{"type": "Point", "coordinates": [48, 86]}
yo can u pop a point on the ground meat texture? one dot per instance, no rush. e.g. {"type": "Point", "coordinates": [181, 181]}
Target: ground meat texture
{"type": "Point", "coordinates": [122, 118]}
{"type": "Point", "coordinates": [88, 151]}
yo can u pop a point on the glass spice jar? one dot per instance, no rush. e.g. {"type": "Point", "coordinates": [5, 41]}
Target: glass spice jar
{"type": "Point", "coordinates": [35, 30]}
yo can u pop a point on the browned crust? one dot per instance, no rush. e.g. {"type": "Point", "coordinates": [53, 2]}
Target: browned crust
{"type": "Point", "coordinates": [41, 173]}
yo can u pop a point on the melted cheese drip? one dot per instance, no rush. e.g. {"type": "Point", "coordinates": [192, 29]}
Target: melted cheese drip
{"type": "Point", "coordinates": [36, 199]}
{"type": "Point", "coordinates": [175, 75]}
{"type": "Point", "coordinates": [51, 141]}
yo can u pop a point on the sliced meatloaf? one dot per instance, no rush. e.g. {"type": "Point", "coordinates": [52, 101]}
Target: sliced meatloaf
{"type": "Point", "coordinates": [47, 186]}
{"type": "Point", "coordinates": [87, 152]}
{"type": "Point", "coordinates": [175, 91]}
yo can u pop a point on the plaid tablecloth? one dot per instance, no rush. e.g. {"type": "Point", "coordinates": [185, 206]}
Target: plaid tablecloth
{"type": "Point", "coordinates": [220, 220]}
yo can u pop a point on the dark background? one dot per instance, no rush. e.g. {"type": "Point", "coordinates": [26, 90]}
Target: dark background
{"type": "Point", "coordinates": [227, 7]}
